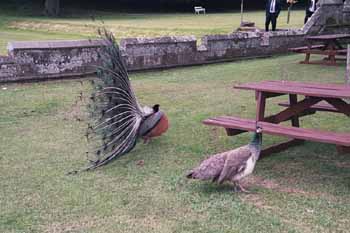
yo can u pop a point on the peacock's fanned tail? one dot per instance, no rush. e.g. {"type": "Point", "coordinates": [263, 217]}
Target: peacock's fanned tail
{"type": "Point", "coordinates": [115, 112]}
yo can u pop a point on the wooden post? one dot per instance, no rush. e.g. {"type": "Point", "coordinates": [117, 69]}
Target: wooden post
{"type": "Point", "coordinates": [242, 11]}
{"type": "Point", "coordinates": [347, 75]}
{"type": "Point", "coordinates": [52, 7]}
{"type": "Point", "coordinates": [260, 106]}
{"type": "Point", "coordinates": [346, 149]}
{"type": "Point", "coordinates": [293, 99]}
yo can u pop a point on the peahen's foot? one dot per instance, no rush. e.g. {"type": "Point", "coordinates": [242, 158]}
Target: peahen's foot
{"type": "Point", "coordinates": [236, 187]}
{"type": "Point", "coordinates": [242, 188]}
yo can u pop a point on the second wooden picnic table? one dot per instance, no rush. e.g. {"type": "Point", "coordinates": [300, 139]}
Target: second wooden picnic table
{"type": "Point", "coordinates": [329, 45]}
{"type": "Point", "coordinates": [316, 97]}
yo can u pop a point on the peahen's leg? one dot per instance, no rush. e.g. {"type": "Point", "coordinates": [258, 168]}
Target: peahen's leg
{"type": "Point", "coordinates": [235, 187]}
{"type": "Point", "coordinates": [242, 188]}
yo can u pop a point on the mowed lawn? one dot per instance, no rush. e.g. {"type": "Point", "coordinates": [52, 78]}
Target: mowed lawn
{"type": "Point", "coordinates": [42, 126]}
{"type": "Point", "coordinates": [80, 25]}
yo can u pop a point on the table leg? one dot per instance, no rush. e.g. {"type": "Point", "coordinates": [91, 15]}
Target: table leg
{"type": "Point", "coordinates": [307, 54]}
{"type": "Point", "coordinates": [343, 149]}
{"type": "Point", "coordinates": [331, 58]}
{"type": "Point", "coordinates": [293, 99]}
{"type": "Point", "coordinates": [307, 59]}
{"type": "Point", "coordinates": [340, 105]}
{"type": "Point", "coordinates": [260, 106]}
{"type": "Point", "coordinates": [295, 110]}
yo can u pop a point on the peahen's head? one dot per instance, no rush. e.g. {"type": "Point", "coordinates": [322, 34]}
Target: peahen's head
{"type": "Point", "coordinates": [258, 129]}
{"type": "Point", "coordinates": [257, 138]}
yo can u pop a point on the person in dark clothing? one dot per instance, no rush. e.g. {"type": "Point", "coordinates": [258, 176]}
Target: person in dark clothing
{"type": "Point", "coordinates": [273, 8]}
{"type": "Point", "coordinates": [310, 9]}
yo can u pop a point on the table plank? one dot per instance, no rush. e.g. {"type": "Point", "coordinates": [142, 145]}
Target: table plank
{"type": "Point", "coordinates": [322, 106]}
{"type": "Point", "coordinates": [337, 138]}
{"type": "Point", "coordinates": [307, 89]}
{"type": "Point", "coordinates": [327, 86]}
{"type": "Point", "coordinates": [328, 37]}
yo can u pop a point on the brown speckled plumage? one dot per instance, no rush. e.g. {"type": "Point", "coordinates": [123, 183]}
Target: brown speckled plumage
{"type": "Point", "coordinates": [231, 165]}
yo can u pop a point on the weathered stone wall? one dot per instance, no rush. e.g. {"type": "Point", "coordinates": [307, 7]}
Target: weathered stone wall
{"type": "Point", "coordinates": [165, 52]}
{"type": "Point", "coordinates": [8, 68]}
{"type": "Point", "coordinates": [54, 59]}
{"type": "Point", "coordinates": [48, 59]}
{"type": "Point", "coordinates": [162, 52]}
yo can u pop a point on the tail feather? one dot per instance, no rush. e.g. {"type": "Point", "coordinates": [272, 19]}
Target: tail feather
{"type": "Point", "coordinates": [115, 112]}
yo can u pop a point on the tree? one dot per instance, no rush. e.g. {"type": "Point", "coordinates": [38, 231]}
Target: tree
{"type": "Point", "coordinates": [52, 7]}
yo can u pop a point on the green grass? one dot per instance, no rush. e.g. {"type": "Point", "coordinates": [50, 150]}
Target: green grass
{"type": "Point", "coordinates": [304, 189]}
{"type": "Point", "coordinates": [21, 27]}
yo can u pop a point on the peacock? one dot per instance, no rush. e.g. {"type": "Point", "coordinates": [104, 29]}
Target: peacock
{"type": "Point", "coordinates": [232, 165]}
{"type": "Point", "coordinates": [117, 120]}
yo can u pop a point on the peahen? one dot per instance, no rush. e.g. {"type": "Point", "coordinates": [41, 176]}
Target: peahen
{"type": "Point", "coordinates": [117, 119]}
{"type": "Point", "coordinates": [232, 165]}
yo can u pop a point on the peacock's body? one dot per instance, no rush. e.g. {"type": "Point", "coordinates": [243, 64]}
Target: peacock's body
{"type": "Point", "coordinates": [117, 119]}
{"type": "Point", "coordinates": [232, 165]}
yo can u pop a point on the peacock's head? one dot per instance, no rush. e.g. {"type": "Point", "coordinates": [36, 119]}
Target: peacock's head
{"type": "Point", "coordinates": [155, 108]}
{"type": "Point", "coordinates": [258, 129]}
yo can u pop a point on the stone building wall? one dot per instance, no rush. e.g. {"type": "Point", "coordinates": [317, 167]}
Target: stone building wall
{"type": "Point", "coordinates": [55, 59]}
{"type": "Point", "coordinates": [332, 16]}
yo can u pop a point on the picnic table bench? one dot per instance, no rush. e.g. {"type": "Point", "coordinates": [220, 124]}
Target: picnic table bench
{"type": "Point", "coordinates": [317, 97]}
{"type": "Point", "coordinates": [328, 45]}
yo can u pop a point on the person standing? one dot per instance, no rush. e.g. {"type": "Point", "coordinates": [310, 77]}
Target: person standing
{"type": "Point", "coordinates": [273, 8]}
{"type": "Point", "coordinates": [310, 9]}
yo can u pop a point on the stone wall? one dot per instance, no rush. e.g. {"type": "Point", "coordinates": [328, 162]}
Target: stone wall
{"type": "Point", "coordinates": [56, 59]}
{"type": "Point", "coordinates": [166, 52]}
{"type": "Point", "coordinates": [8, 68]}
{"type": "Point", "coordinates": [49, 59]}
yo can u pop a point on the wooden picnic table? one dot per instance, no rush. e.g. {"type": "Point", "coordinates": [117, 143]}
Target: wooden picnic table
{"type": "Point", "coordinates": [315, 97]}
{"type": "Point", "coordinates": [328, 45]}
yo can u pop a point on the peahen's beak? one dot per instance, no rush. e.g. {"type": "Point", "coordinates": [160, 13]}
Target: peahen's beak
{"type": "Point", "coordinates": [189, 175]}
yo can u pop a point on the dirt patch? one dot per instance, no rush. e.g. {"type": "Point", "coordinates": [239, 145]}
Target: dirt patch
{"type": "Point", "coordinates": [77, 225]}
{"type": "Point", "coordinates": [260, 182]}
{"type": "Point", "coordinates": [85, 224]}
{"type": "Point", "coordinates": [256, 200]}
{"type": "Point", "coordinates": [273, 185]}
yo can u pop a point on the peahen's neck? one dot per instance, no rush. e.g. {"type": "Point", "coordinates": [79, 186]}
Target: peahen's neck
{"type": "Point", "coordinates": [257, 140]}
